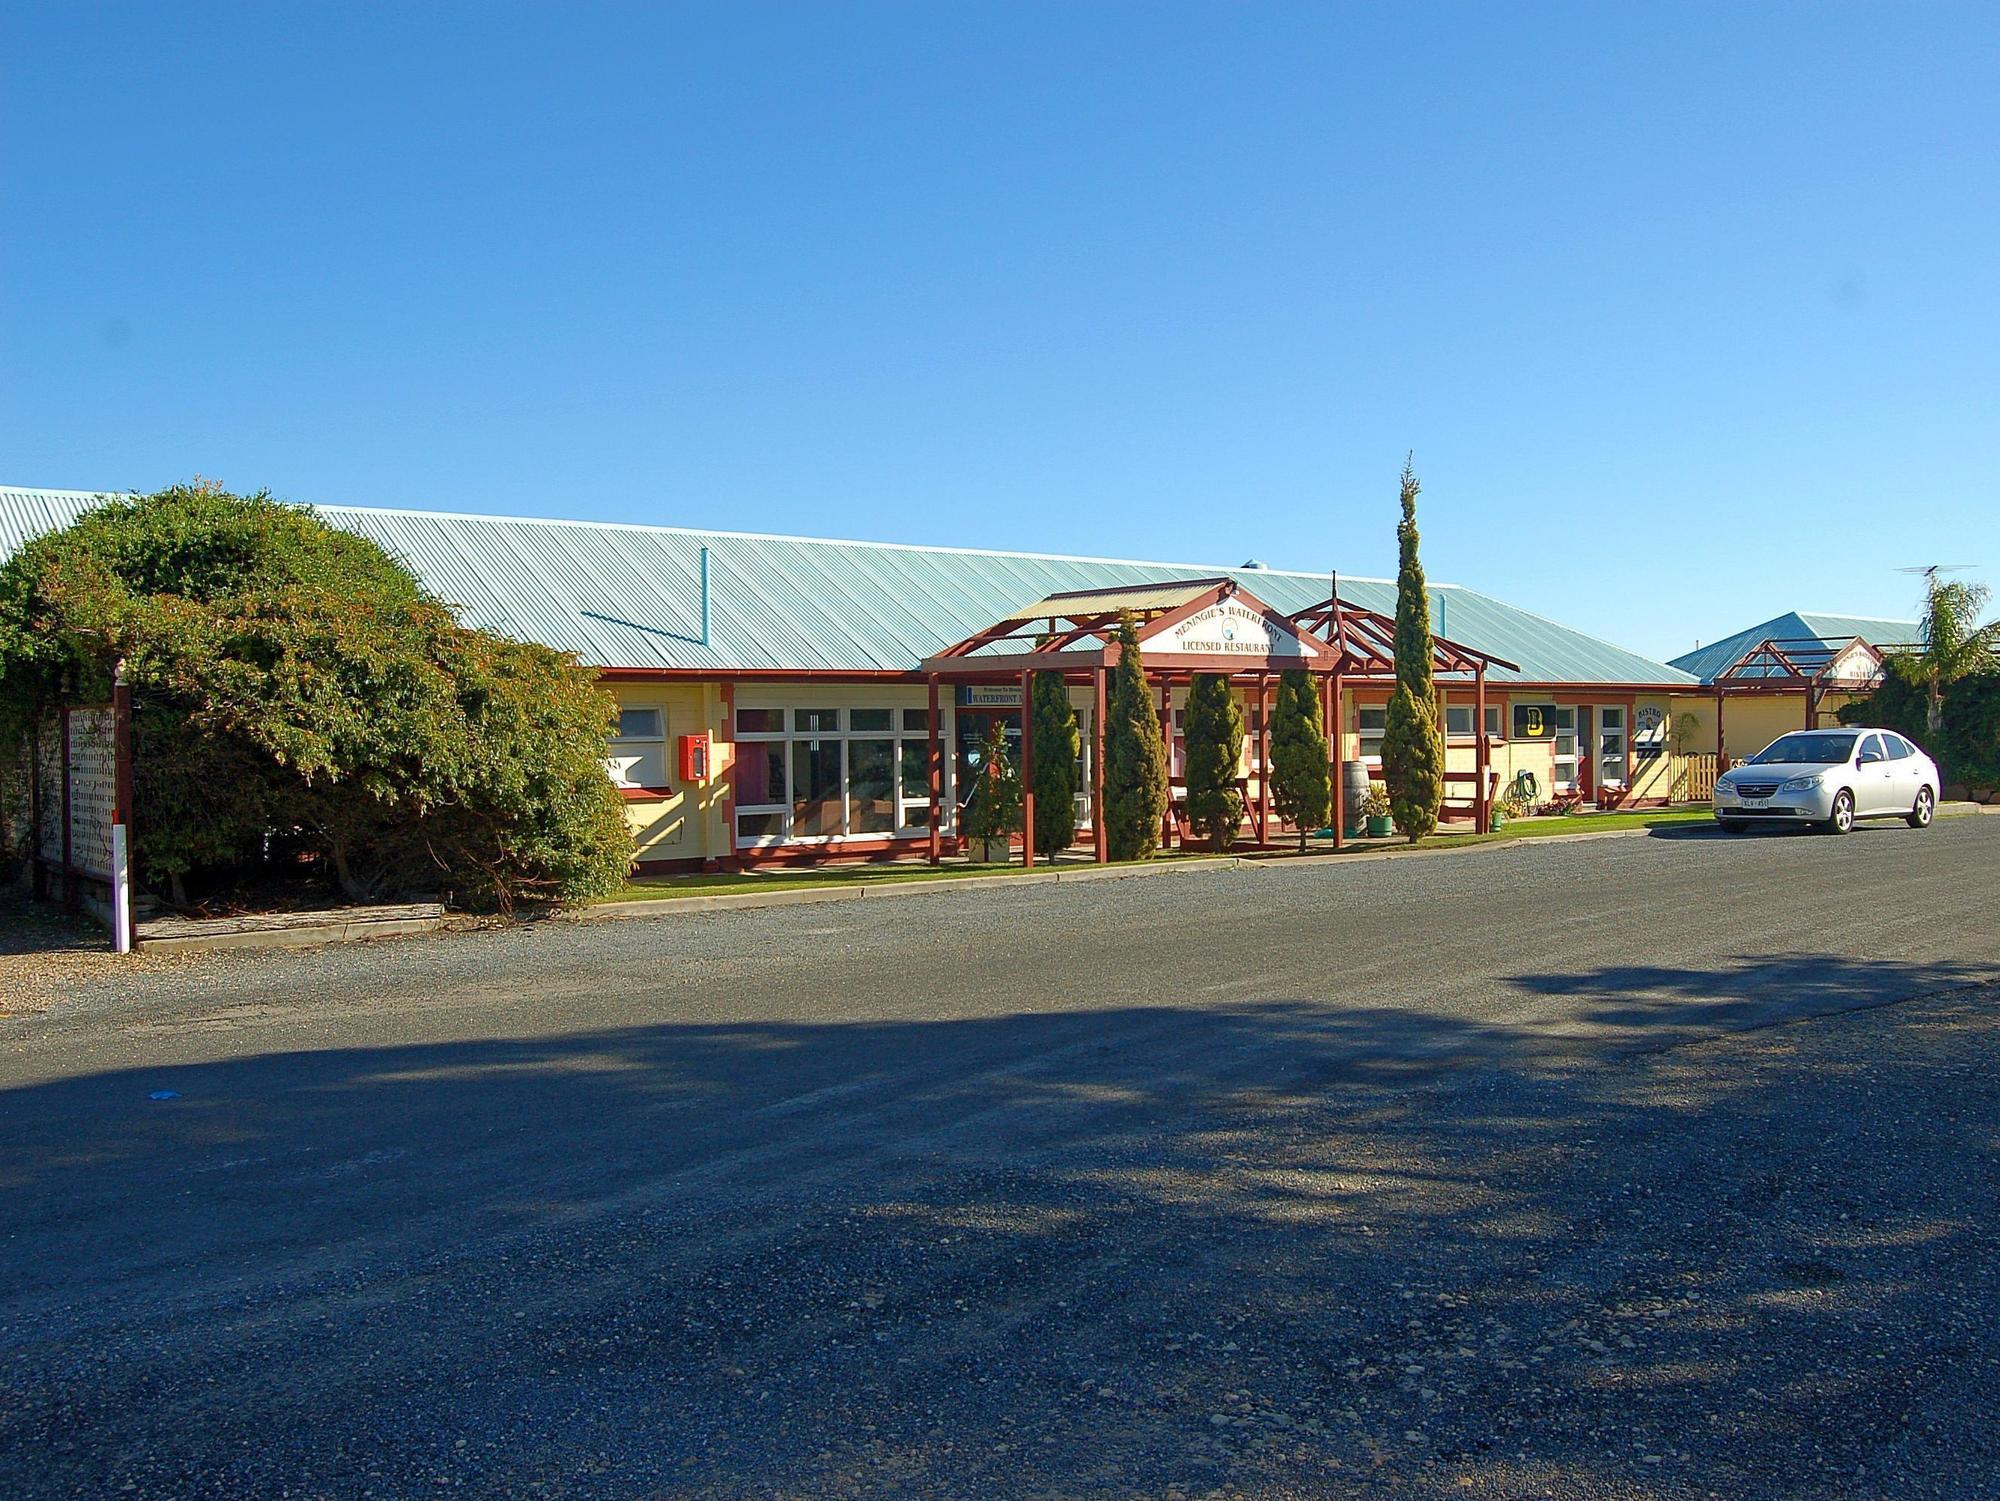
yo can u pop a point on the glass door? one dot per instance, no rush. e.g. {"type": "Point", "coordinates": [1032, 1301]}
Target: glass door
{"type": "Point", "coordinates": [1611, 745]}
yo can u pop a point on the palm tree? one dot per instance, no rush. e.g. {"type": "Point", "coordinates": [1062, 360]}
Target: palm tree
{"type": "Point", "coordinates": [1953, 645]}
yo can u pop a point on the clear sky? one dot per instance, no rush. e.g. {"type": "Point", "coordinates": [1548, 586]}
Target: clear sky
{"type": "Point", "coordinates": [1691, 314]}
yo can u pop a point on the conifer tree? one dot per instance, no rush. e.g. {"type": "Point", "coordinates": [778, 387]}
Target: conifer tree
{"type": "Point", "coordinates": [1135, 759]}
{"type": "Point", "coordinates": [1301, 780]}
{"type": "Point", "coordinates": [1412, 748]}
{"type": "Point", "coordinates": [995, 809]}
{"type": "Point", "coordinates": [1214, 757]}
{"type": "Point", "coordinates": [1056, 773]}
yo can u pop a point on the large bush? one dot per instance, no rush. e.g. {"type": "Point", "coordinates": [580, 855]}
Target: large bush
{"type": "Point", "coordinates": [1214, 756]}
{"type": "Point", "coordinates": [297, 691]}
{"type": "Point", "coordinates": [1966, 748]}
{"type": "Point", "coordinates": [1057, 771]}
{"type": "Point", "coordinates": [1301, 779]}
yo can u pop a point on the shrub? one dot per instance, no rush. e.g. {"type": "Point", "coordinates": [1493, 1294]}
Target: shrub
{"type": "Point", "coordinates": [1135, 758]}
{"type": "Point", "coordinates": [1057, 774]}
{"type": "Point", "coordinates": [1301, 779]}
{"type": "Point", "coordinates": [1214, 756]}
{"type": "Point", "coordinates": [995, 809]}
{"type": "Point", "coordinates": [295, 685]}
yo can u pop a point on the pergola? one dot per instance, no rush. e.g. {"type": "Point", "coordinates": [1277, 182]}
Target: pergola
{"type": "Point", "coordinates": [1183, 627]}
{"type": "Point", "coordinates": [1812, 665]}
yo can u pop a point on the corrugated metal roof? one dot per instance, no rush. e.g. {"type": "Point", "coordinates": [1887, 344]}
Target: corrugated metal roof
{"type": "Point", "coordinates": [1706, 661]}
{"type": "Point", "coordinates": [630, 596]}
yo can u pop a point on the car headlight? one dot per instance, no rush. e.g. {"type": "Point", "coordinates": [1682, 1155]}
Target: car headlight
{"type": "Point", "coordinates": [1802, 784]}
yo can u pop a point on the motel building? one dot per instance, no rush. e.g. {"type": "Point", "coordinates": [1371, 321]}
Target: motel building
{"type": "Point", "coordinates": [1794, 672]}
{"type": "Point", "coordinates": [794, 700]}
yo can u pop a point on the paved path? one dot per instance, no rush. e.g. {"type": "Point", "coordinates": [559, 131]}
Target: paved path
{"type": "Point", "coordinates": [1286, 1181]}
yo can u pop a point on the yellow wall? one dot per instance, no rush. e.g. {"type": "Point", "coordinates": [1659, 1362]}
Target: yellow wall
{"type": "Point", "coordinates": [688, 822]}
{"type": "Point", "coordinates": [1752, 721]}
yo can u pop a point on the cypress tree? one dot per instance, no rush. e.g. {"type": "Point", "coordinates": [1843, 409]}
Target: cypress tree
{"type": "Point", "coordinates": [1135, 759]}
{"type": "Point", "coordinates": [1412, 749]}
{"type": "Point", "coordinates": [1301, 781]}
{"type": "Point", "coordinates": [1056, 773]}
{"type": "Point", "coordinates": [1214, 756]}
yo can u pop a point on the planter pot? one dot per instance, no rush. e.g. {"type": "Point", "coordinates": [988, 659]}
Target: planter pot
{"type": "Point", "coordinates": [1381, 828]}
{"type": "Point", "coordinates": [992, 851]}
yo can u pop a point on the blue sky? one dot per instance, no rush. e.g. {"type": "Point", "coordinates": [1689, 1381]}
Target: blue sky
{"type": "Point", "coordinates": [1690, 314]}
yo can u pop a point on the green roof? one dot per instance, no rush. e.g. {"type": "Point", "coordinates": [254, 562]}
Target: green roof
{"type": "Point", "coordinates": [1706, 661]}
{"type": "Point", "coordinates": [629, 596]}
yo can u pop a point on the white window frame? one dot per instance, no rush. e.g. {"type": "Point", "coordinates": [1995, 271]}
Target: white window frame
{"type": "Point", "coordinates": [910, 811]}
{"type": "Point", "coordinates": [1362, 735]}
{"type": "Point", "coordinates": [618, 741]}
{"type": "Point", "coordinates": [1614, 746]}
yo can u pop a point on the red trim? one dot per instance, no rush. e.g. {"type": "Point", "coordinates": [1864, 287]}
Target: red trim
{"type": "Point", "coordinates": [646, 794]}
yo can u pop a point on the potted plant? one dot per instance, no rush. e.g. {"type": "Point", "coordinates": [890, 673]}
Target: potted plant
{"type": "Point", "coordinates": [995, 811]}
{"type": "Point", "coordinates": [1375, 808]}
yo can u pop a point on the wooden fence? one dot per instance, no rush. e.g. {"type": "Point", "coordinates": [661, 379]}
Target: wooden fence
{"type": "Point", "coordinates": [1694, 778]}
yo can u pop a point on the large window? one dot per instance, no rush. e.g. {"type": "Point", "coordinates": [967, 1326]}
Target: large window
{"type": "Point", "coordinates": [636, 752]}
{"type": "Point", "coordinates": [1458, 721]}
{"type": "Point", "coordinates": [811, 774]}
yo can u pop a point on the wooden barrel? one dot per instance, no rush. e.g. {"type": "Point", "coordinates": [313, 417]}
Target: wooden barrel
{"type": "Point", "coordinates": [1353, 788]}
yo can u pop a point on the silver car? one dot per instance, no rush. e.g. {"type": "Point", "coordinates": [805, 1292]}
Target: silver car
{"type": "Point", "coordinates": [1829, 778]}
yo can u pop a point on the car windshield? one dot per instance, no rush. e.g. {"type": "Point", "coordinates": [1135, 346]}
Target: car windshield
{"type": "Point", "coordinates": [1805, 749]}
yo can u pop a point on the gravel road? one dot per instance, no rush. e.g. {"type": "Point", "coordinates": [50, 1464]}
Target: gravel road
{"type": "Point", "coordinates": [1652, 1168]}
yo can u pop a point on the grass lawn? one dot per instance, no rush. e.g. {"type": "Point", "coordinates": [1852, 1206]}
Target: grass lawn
{"type": "Point", "coordinates": [657, 888]}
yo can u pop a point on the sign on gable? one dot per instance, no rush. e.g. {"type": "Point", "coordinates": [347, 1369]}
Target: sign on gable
{"type": "Point", "coordinates": [1228, 629]}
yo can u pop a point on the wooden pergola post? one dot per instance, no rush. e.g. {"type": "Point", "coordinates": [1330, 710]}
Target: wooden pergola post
{"type": "Point", "coordinates": [1721, 753]}
{"type": "Point", "coordinates": [1264, 758]}
{"type": "Point", "coordinates": [936, 774]}
{"type": "Point", "coordinates": [1027, 771]}
{"type": "Point", "coordinates": [1330, 690]}
{"type": "Point", "coordinates": [1099, 831]}
{"type": "Point", "coordinates": [1482, 802]}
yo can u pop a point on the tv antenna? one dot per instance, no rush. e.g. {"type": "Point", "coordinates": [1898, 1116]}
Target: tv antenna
{"type": "Point", "coordinates": [1932, 570]}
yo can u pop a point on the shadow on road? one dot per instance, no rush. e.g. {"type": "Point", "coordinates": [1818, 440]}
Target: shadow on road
{"type": "Point", "coordinates": [1080, 1252]}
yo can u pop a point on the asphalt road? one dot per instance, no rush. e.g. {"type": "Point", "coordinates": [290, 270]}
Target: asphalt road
{"type": "Point", "coordinates": [1478, 1175]}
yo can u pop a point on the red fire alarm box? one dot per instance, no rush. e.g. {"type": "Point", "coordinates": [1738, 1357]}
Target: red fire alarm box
{"type": "Point", "coordinates": [694, 757]}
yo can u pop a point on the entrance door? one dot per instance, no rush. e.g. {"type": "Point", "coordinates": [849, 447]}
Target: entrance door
{"type": "Point", "coordinates": [969, 754]}
{"type": "Point", "coordinates": [1586, 757]}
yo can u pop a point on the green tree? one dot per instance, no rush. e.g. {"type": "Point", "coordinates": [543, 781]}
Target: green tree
{"type": "Point", "coordinates": [1135, 759]}
{"type": "Point", "coordinates": [296, 688]}
{"type": "Point", "coordinates": [1301, 779]}
{"type": "Point", "coordinates": [1953, 645]}
{"type": "Point", "coordinates": [1412, 748]}
{"type": "Point", "coordinates": [1057, 774]}
{"type": "Point", "coordinates": [995, 809]}
{"type": "Point", "coordinates": [1214, 757]}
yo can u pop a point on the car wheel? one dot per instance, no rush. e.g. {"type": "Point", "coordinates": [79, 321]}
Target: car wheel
{"type": "Point", "coordinates": [1842, 820]}
{"type": "Point", "coordinates": [1733, 825]}
{"type": "Point", "coordinates": [1924, 809]}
